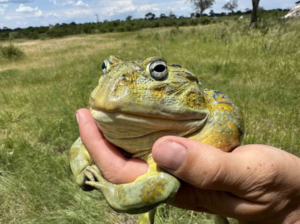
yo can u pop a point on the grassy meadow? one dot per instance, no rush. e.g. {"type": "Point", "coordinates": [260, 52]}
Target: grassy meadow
{"type": "Point", "coordinates": [40, 93]}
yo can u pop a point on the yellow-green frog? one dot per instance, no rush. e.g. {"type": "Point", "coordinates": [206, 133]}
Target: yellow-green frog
{"type": "Point", "coordinates": [136, 103]}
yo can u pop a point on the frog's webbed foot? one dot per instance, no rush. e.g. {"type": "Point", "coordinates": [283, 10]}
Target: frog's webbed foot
{"type": "Point", "coordinates": [81, 180]}
{"type": "Point", "coordinates": [144, 194]}
{"type": "Point", "coordinates": [95, 178]}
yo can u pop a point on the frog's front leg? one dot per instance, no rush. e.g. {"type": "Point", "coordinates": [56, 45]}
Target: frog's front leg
{"type": "Point", "coordinates": [79, 161]}
{"type": "Point", "coordinates": [144, 194]}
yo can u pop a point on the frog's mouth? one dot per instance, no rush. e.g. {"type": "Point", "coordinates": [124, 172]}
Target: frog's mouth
{"type": "Point", "coordinates": [137, 134]}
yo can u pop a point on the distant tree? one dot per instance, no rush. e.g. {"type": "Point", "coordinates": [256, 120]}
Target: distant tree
{"type": "Point", "coordinates": [297, 3]}
{"type": "Point", "coordinates": [163, 16]}
{"type": "Point", "coordinates": [193, 15]}
{"type": "Point", "coordinates": [253, 21]}
{"type": "Point", "coordinates": [202, 5]}
{"type": "Point", "coordinates": [128, 18]}
{"type": "Point", "coordinates": [97, 18]}
{"type": "Point", "coordinates": [231, 5]}
{"type": "Point", "coordinates": [172, 15]}
{"type": "Point", "coordinates": [150, 16]}
{"type": "Point", "coordinates": [212, 13]}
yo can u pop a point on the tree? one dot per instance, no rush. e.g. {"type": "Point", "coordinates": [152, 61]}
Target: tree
{"type": "Point", "coordinates": [172, 15]}
{"type": "Point", "coordinates": [253, 21]}
{"type": "Point", "coordinates": [97, 18]}
{"type": "Point", "coordinates": [212, 13]}
{"type": "Point", "coordinates": [128, 18]}
{"type": "Point", "coordinates": [163, 16]}
{"type": "Point", "coordinates": [231, 5]}
{"type": "Point", "coordinates": [150, 16]}
{"type": "Point", "coordinates": [202, 5]}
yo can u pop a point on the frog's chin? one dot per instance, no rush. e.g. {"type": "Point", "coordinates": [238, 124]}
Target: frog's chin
{"type": "Point", "coordinates": [137, 134]}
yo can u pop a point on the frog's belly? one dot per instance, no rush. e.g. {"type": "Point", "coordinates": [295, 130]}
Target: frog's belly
{"type": "Point", "coordinates": [137, 134]}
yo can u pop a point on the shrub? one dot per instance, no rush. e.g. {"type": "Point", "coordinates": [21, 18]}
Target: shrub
{"type": "Point", "coordinates": [11, 52]}
{"type": "Point", "coordinates": [205, 20]}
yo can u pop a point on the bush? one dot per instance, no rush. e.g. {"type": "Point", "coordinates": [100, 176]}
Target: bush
{"type": "Point", "coordinates": [205, 20]}
{"type": "Point", "coordinates": [11, 52]}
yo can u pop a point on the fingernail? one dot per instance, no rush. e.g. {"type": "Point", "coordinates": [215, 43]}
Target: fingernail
{"type": "Point", "coordinates": [169, 155]}
{"type": "Point", "coordinates": [77, 117]}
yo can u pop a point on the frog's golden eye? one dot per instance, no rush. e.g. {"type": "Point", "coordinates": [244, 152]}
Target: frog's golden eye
{"type": "Point", "coordinates": [105, 66]}
{"type": "Point", "coordinates": [158, 70]}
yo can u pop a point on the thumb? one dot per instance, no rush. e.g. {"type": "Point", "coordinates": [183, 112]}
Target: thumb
{"type": "Point", "coordinates": [196, 163]}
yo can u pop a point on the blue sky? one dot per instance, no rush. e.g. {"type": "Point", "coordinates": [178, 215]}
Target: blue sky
{"type": "Point", "coordinates": [24, 13]}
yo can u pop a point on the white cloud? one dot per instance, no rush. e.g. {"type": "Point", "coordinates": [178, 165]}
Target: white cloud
{"type": "Point", "coordinates": [38, 13]}
{"type": "Point", "coordinates": [81, 3]}
{"type": "Point", "coordinates": [78, 13]}
{"type": "Point", "coordinates": [23, 8]}
{"type": "Point", "coordinates": [52, 14]}
{"type": "Point", "coordinates": [3, 0]}
{"type": "Point", "coordinates": [68, 3]}
{"type": "Point", "coordinates": [22, 23]}
{"type": "Point", "coordinates": [2, 11]}
{"type": "Point", "coordinates": [118, 7]}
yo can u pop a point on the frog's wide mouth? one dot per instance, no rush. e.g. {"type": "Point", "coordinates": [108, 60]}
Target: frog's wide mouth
{"type": "Point", "coordinates": [137, 134]}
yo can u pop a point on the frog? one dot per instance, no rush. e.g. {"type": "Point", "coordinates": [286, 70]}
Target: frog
{"type": "Point", "coordinates": [137, 102]}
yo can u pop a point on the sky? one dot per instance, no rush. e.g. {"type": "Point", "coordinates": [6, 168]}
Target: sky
{"type": "Point", "coordinates": [25, 13]}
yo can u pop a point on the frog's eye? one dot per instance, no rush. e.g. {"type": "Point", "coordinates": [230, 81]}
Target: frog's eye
{"type": "Point", "coordinates": [105, 66]}
{"type": "Point", "coordinates": [158, 70]}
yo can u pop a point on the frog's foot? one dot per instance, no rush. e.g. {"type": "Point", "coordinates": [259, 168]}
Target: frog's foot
{"type": "Point", "coordinates": [141, 196]}
{"type": "Point", "coordinates": [96, 179]}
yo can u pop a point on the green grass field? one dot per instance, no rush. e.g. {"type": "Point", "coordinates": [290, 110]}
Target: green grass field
{"type": "Point", "coordinates": [40, 93]}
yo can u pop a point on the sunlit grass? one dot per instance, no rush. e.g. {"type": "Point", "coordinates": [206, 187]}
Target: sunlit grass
{"type": "Point", "coordinates": [40, 93]}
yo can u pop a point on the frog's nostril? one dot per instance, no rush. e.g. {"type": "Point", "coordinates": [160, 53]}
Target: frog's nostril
{"type": "Point", "coordinates": [126, 78]}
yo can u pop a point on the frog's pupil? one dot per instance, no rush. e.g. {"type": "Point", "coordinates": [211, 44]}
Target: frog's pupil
{"type": "Point", "coordinates": [103, 65]}
{"type": "Point", "coordinates": [159, 68]}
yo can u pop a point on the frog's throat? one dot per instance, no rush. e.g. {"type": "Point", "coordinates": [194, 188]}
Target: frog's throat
{"type": "Point", "coordinates": [137, 134]}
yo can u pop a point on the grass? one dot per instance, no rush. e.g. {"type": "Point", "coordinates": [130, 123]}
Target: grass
{"type": "Point", "coordinates": [259, 70]}
{"type": "Point", "coordinates": [11, 52]}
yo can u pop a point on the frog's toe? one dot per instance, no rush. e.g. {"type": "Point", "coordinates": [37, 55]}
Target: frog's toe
{"type": "Point", "coordinates": [97, 185]}
{"type": "Point", "coordinates": [96, 173]}
{"type": "Point", "coordinates": [89, 175]}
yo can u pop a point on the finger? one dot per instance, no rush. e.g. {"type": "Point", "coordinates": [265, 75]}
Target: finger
{"type": "Point", "coordinates": [113, 165]}
{"type": "Point", "coordinates": [216, 202]}
{"type": "Point", "coordinates": [202, 165]}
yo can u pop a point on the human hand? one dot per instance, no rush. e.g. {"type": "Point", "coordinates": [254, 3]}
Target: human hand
{"type": "Point", "coordinates": [253, 184]}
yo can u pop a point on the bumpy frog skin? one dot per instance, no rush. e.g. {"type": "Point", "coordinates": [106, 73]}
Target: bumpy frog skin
{"type": "Point", "coordinates": [136, 103]}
